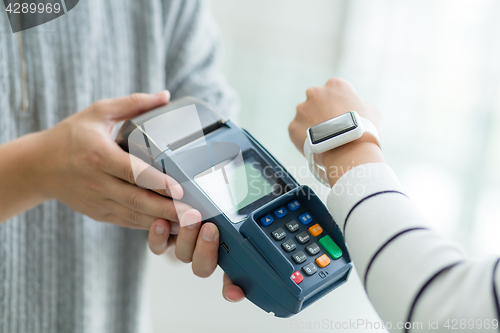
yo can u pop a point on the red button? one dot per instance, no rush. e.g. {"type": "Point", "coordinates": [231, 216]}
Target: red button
{"type": "Point", "coordinates": [297, 277]}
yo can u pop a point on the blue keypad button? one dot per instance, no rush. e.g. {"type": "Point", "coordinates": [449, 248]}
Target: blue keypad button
{"type": "Point", "coordinates": [281, 212]}
{"type": "Point", "coordinates": [266, 220]}
{"type": "Point", "coordinates": [293, 205]}
{"type": "Point", "coordinates": [305, 219]}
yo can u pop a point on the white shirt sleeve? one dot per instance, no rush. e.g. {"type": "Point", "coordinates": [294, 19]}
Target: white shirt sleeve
{"type": "Point", "coordinates": [412, 275]}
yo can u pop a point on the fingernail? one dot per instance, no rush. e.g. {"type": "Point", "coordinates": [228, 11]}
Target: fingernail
{"type": "Point", "coordinates": [208, 232]}
{"type": "Point", "coordinates": [165, 93]}
{"type": "Point", "coordinates": [191, 221]}
{"type": "Point", "coordinates": [175, 192]}
{"type": "Point", "coordinates": [194, 225]}
{"type": "Point", "coordinates": [227, 298]}
{"type": "Point", "coordinates": [160, 229]}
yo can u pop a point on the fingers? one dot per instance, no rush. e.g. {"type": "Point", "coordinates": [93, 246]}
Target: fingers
{"type": "Point", "coordinates": [206, 251]}
{"type": "Point", "coordinates": [171, 240]}
{"type": "Point", "coordinates": [337, 82]}
{"type": "Point", "coordinates": [230, 291]}
{"type": "Point", "coordinates": [174, 227]}
{"type": "Point", "coordinates": [297, 135]}
{"type": "Point", "coordinates": [188, 232]}
{"type": "Point", "coordinates": [110, 218]}
{"type": "Point", "coordinates": [159, 233]}
{"type": "Point", "coordinates": [201, 247]}
{"type": "Point", "coordinates": [144, 201]}
{"type": "Point", "coordinates": [159, 182]}
{"type": "Point", "coordinates": [135, 171]}
{"type": "Point", "coordinates": [129, 215]}
{"type": "Point", "coordinates": [118, 109]}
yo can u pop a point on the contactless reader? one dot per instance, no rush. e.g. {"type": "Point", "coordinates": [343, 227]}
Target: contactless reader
{"type": "Point", "coordinates": [278, 241]}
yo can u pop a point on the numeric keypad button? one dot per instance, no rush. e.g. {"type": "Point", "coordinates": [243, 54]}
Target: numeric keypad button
{"type": "Point", "coordinates": [299, 257]}
{"type": "Point", "coordinates": [309, 269]}
{"type": "Point", "coordinates": [303, 237]}
{"type": "Point", "coordinates": [312, 249]}
{"type": "Point", "coordinates": [292, 226]}
{"type": "Point", "coordinates": [289, 245]}
{"type": "Point", "coordinates": [278, 234]}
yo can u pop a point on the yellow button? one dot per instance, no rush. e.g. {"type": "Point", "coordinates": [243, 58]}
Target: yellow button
{"type": "Point", "coordinates": [323, 261]}
{"type": "Point", "coordinates": [315, 230]}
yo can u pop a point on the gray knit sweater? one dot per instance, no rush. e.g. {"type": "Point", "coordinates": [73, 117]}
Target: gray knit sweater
{"type": "Point", "coordinates": [61, 271]}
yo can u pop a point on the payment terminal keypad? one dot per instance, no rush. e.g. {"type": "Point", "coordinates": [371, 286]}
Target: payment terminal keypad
{"type": "Point", "coordinates": [299, 257]}
{"type": "Point", "coordinates": [279, 234]}
{"type": "Point", "coordinates": [309, 269]}
{"type": "Point", "coordinates": [312, 249]}
{"type": "Point", "coordinates": [289, 245]}
{"type": "Point", "coordinates": [301, 238]}
{"type": "Point", "coordinates": [292, 226]}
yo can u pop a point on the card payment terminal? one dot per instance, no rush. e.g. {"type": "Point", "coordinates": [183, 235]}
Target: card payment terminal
{"type": "Point", "coordinates": [278, 241]}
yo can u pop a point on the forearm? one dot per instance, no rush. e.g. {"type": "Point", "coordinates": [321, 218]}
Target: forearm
{"type": "Point", "coordinates": [342, 159]}
{"type": "Point", "coordinates": [19, 190]}
{"type": "Point", "coordinates": [410, 272]}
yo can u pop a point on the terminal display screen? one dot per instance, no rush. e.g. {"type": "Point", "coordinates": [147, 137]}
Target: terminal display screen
{"type": "Point", "coordinates": [241, 185]}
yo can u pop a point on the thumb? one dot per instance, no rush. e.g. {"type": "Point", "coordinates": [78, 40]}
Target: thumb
{"type": "Point", "coordinates": [123, 108]}
{"type": "Point", "coordinates": [230, 291]}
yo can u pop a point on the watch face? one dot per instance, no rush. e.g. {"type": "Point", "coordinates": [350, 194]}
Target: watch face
{"type": "Point", "coordinates": [333, 127]}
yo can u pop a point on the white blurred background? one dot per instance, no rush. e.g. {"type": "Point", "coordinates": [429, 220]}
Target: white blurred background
{"type": "Point", "coordinates": [431, 66]}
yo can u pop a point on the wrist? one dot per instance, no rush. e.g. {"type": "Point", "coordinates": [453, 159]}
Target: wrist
{"type": "Point", "coordinates": [20, 176]}
{"type": "Point", "coordinates": [340, 160]}
{"type": "Point", "coordinates": [42, 160]}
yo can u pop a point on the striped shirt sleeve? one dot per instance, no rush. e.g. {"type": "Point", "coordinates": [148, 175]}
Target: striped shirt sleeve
{"type": "Point", "coordinates": [411, 273]}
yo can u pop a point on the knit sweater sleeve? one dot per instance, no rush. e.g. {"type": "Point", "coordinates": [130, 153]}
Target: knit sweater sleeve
{"type": "Point", "coordinates": [194, 55]}
{"type": "Point", "coordinates": [413, 276]}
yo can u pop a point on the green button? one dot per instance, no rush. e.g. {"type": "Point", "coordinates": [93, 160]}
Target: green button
{"type": "Point", "coordinates": [329, 245]}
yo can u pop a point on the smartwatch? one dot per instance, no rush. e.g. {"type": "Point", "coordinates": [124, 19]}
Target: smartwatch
{"type": "Point", "coordinates": [334, 133]}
